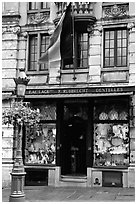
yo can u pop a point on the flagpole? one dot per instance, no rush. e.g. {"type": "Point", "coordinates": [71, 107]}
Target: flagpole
{"type": "Point", "coordinates": [73, 30]}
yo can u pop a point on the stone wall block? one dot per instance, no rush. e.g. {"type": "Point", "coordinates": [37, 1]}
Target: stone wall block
{"type": "Point", "coordinates": [131, 47]}
{"type": "Point", "coordinates": [6, 153]}
{"type": "Point", "coordinates": [7, 143]}
{"type": "Point", "coordinates": [132, 78]}
{"type": "Point", "coordinates": [94, 70]}
{"type": "Point", "coordinates": [94, 60]}
{"type": "Point", "coordinates": [132, 37]}
{"type": "Point", "coordinates": [9, 54]}
{"type": "Point", "coordinates": [131, 68]}
{"type": "Point", "coordinates": [9, 45]}
{"type": "Point", "coordinates": [22, 45]}
{"type": "Point", "coordinates": [131, 177]}
{"type": "Point", "coordinates": [8, 83]}
{"type": "Point", "coordinates": [38, 79]}
{"type": "Point", "coordinates": [22, 54]}
{"type": "Point", "coordinates": [6, 73]}
{"type": "Point", "coordinates": [94, 50]}
{"type": "Point", "coordinates": [94, 79]}
{"type": "Point", "coordinates": [95, 40]}
{"type": "Point", "coordinates": [7, 131]}
{"type": "Point", "coordinates": [6, 64]}
{"type": "Point", "coordinates": [9, 36]}
{"type": "Point", "coordinates": [132, 57]}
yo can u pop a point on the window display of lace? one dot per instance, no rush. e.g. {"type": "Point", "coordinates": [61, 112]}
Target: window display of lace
{"type": "Point", "coordinates": [41, 145]}
{"type": "Point", "coordinates": [111, 144]}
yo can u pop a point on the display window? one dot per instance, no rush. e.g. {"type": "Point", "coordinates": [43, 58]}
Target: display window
{"type": "Point", "coordinates": [111, 134]}
{"type": "Point", "coordinates": [40, 142]}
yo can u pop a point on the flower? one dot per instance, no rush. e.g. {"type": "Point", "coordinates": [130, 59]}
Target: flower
{"type": "Point", "coordinates": [22, 111]}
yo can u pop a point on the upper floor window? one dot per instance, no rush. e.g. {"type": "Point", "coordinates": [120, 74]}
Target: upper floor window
{"type": "Point", "coordinates": [115, 47]}
{"type": "Point", "coordinates": [81, 51]}
{"type": "Point", "coordinates": [38, 44]}
{"type": "Point", "coordinates": [38, 5]}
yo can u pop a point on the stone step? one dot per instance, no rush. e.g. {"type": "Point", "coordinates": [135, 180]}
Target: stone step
{"type": "Point", "coordinates": [74, 179]}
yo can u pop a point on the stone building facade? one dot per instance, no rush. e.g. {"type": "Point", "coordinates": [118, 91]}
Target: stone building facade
{"type": "Point", "coordinates": [88, 124]}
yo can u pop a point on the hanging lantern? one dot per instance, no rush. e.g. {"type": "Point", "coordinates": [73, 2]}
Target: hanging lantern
{"type": "Point", "coordinates": [21, 83]}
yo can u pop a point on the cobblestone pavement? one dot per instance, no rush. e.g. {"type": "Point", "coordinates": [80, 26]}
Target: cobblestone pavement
{"type": "Point", "coordinates": [75, 194]}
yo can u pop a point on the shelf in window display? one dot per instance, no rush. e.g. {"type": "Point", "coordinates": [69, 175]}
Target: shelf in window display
{"type": "Point", "coordinates": [111, 167]}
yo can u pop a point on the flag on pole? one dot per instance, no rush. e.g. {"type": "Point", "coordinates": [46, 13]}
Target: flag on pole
{"type": "Point", "coordinates": [61, 41]}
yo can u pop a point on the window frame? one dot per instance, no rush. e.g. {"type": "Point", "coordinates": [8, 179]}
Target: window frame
{"type": "Point", "coordinates": [115, 67]}
{"type": "Point", "coordinates": [113, 121]}
{"type": "Point", "coordinates": [38, 67]}
{"type": "Point", "coordinates": [75, 61]}
{"type": "Point", "coordinates": [43, 122]}
{"type": "Point", "coordinates": [39, 7]}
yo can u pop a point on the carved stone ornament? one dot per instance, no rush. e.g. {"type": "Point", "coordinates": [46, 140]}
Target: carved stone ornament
{"type": "Point", "coordinates": [11, 29]}
{"type": "Point", "coordinates": [24, 34]}
{"type": "Point", "coordinates": [131, 25]}
{"type": "Point", "coordinates": [116, 11]}
{"type": "Point", "coordinates": [37, 18]}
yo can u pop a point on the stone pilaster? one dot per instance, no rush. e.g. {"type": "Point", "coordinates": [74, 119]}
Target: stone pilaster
{"type": "Point", "coordinates": [95, 55]}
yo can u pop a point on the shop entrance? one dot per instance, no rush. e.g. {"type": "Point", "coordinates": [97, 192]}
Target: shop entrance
{"type": "Point", "coordinates": [73, 140]}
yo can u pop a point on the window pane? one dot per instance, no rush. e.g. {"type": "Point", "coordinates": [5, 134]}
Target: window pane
{"type": "Point", "coordinates": [84, 54]}
{"type": "Point", "coordinates": [85, 37]}
{"type": "Point", "coordinates": [124, 61]}
{"type": "Point", "coordinates": [106, 61]}
{"type": "Point", "coordinates": [124, 42]}
{"type": "Point", "coordinates": [119, 52]}
{"type": "Point", "coordinates": [85, 45]}
{"type": "Point", "coordinates": [33, 5]}
{"type": "Point", "coordinates": [45, 5]}
{"type": "Point", "coordinates": [124, 34]}
{"type": "Point", "coordinates": [119, 33]}
{"type": "Point", "coordinates": [107, 35]}
{"type": "Point", "coordinates": [111, 61]}
{"type": "Point", "coordinates": [111, 34]}
{"type": "Point", "coordinates": [111, 52]}
{"type": "Point", "coordinates": [119, 43]}
{"type": "Point", "coordinates": [107, 53]}
{"type": "Point", "coordinates": [85, 63]}
{"type": "Point", "coordinates": [124, 52]}
{"type": "Point", "coordinates": [106, 44]}
{"type": "Point", "coordinates": [111, 43]}
{"type": "Point", "coordinates": [118, 61]}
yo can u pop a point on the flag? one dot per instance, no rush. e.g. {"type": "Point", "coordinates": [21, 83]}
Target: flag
{"type": "Point", "coordinates": [61, 41]}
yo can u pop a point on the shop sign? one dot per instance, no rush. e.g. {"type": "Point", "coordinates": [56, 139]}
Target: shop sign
{"type": "Point", "coordinates": [79, 90]}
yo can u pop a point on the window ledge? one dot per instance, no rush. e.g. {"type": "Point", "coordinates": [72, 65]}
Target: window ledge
{"type": "Point", "coordinates": [114, 69]}
{"type": "Point", "coordinates": [70, 71]}
{"type": "Point", "coordinates": [37, 72]}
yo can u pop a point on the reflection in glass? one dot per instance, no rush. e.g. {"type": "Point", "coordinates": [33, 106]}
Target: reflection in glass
{"type": "Point", "coordinates": [41, 145]}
